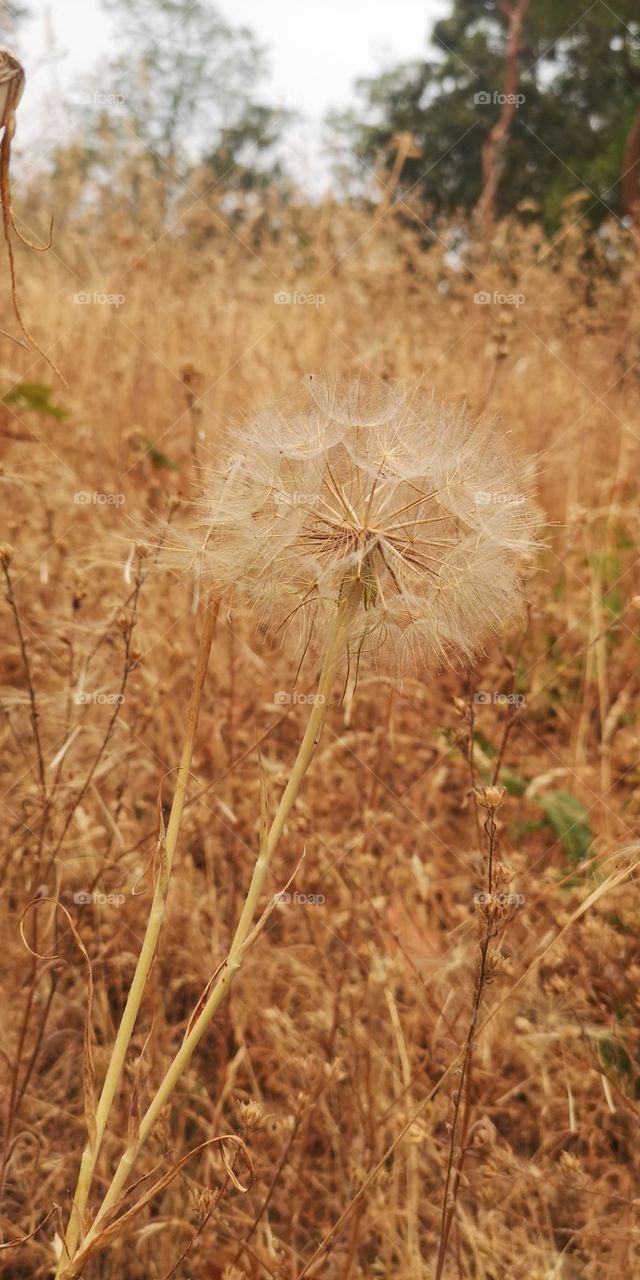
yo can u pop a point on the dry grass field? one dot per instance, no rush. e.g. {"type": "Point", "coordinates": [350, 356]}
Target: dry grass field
{"type": "Point", "coordinates": [398, 1101]}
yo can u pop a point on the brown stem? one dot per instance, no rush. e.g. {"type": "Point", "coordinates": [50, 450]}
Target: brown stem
{"type": "Point", "coordinates": [33, 706]}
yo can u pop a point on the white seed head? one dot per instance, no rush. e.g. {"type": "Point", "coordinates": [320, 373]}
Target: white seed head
{"type": "Point", "coordinates": [378, 487]}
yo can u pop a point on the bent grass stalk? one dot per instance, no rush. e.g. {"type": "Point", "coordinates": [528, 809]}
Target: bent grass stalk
{"type": "Point", "coordinates": [147, 952]}
{"type": "Point", "coordinates": [335, 645]}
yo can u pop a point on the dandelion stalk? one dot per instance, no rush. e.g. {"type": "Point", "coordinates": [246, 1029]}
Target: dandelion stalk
{"type": "Point", "coordinates": [390, 526]}
{"type": "Point", "coordinates": [349, 601]}
{"type": "Point", "coordinates": [148, 950]}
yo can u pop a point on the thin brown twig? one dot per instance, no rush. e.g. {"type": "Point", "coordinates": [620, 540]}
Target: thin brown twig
{"type": "Point", "coordinates": [24, 654]}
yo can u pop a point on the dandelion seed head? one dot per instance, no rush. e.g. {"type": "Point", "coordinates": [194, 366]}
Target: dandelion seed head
{"type": "Point", "coordinates": [379, 488]}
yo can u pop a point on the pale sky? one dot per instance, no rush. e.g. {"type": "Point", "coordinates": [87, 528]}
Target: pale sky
{"type": "Point", "coordinates": [317, 49]}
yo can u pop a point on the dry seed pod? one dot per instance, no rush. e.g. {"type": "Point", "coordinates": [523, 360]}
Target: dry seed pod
{"type": "Point", "coordinates": [497, 964]}
{"type": "Point", "coordinates": [12, 82]}
{"type": "Point", "coordinates": [251, 1114]}
{"type": "Point", "coordinates": [11, 88]}
{"type": "Point", "coordinates": [569, 1164]}
{"type": "Point", "coordinates": [490, 797]}
{"type": "Point", "coordinates": [502, 875]}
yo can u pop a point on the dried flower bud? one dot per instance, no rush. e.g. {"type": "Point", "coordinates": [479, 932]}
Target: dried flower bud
{"type": "Point", "coordinates": [251, 1114]}
{"type": "Point", "coordinates": [490, 797]}
{"type": "Point", "coordinates": [483, 1133]}
{"type": "Point", "coordinates": [497, 964]}
{"type": "Point", "coordinates": [202, 1202]}
{"type": "Point", "coordinates": [6, 554]}
{"type": "Point", "coordinates": [489, 906]}
{"type": "Point", "coordinates": [125, 621]}
{"type": "Point", "coordinates": [570, 1164]}
{"type": "Point", "coordinates": [11, 89]}
{"type": "Point", "coordinates": [502, 874]}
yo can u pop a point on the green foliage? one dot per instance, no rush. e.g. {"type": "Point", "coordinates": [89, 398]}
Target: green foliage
{"type": "Point", "coordinates": [616, 1062]}
{"type": "Point", "coordinates": [570, 821]}
{"type": "Point", "coordinates": [37, 398]}
{"type": "Point", "coordinates": [157, 458]}
{"type": "Point", "coordinates": [485, 743]}
{"type": "Point", "coordinates": [614, 602]}
{"type": "Point", "coordinates": [514, 783]}
{"type": "Point", "coordinates": [242, 159]}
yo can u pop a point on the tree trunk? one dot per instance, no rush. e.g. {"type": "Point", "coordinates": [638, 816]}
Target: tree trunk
{"type": "Point", "coordinates": [631, 171]}
{"type": "Point", "coordinates": [493, 149]}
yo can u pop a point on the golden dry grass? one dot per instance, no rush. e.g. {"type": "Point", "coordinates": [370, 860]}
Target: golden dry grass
{"type": "Point", "coordinates": [347, 1012]}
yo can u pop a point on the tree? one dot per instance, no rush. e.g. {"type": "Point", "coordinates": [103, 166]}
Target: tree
{"type": "Point", "coordinates": [11, 15]}
{"type": "Point", "coordinates": [178, 109]}
{"type": "Point", "coordinates": [566, 131]}
{"type": "Point", "coordinates": [186, 82]}
{"type": "Point", "coordinates": [245, 158]}
{"type": "Point", "coordinates": [184, 72]}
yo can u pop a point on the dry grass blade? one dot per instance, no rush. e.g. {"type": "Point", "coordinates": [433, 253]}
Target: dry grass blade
{"type": "Point", "coordinates": [115, 1224]}
{"type": "Point", "coordinates": [336, 1032]}
{"type": "Point", "coordinates": [88, 1066]}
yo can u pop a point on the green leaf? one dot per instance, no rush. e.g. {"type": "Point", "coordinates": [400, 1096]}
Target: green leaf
{"type": "Point", "coordinates": [520, 829]}
{"type": "Point", "coordinates": [514, 784]}
{"type": "Point", "coordinates": [614, 1057]}
{"type": "Point", "coordinates": [570, 821]}
{"type": "Point", "coordinates": [484, 743]}
{"type": "Point", "coordinates": [36, 397]}
{"type": "Point", "coordinates": [159, 460]}
{"type": "Point", "coordinates": [613, 602]}
{"type": "Point", "coordinates": [623, 541]}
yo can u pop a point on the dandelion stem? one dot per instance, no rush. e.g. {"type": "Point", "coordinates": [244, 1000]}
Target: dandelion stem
{"type": "Point", "coordinates": [335, 646]}
{"type": "Point", "coordinates": [147, 952]}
